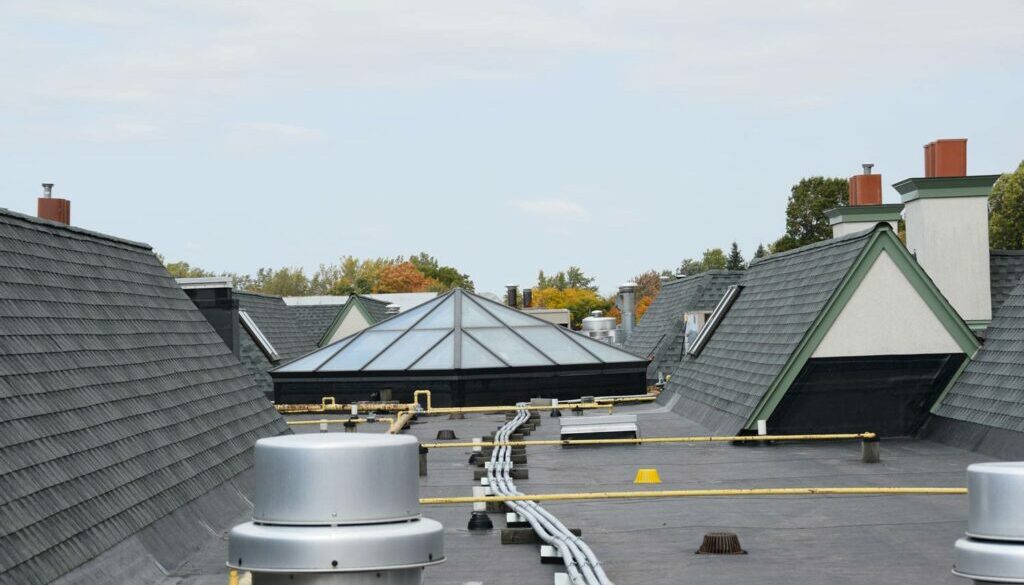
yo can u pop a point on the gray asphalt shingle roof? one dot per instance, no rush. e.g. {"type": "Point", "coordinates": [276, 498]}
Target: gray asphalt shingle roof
{"type": "Point", "coordinates": [277, 322]}
{"type": "Point", "coordinates": [1006, 268]}
{"type": "Point", "coordinates": [781, 298]}
{"type": "Point", "coordinates": [659, 334]}
{"type": "Point", "coordinates": [990, 391]}
{"type": "Point", "coordinates": [313, 321]}
{"type": "Point", "coordinates": [118, 401]}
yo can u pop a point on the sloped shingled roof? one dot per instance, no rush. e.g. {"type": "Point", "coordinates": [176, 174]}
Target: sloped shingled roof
{"type": "Point", "coordinates": [659, 334]}
{"type": "Point", "coordinates": [313, 321]}
{"type": "Point", "coordinates": [276, 320]}
{"type": "Point", "coordinates": [1006, 267]}
{"type": "Point", "coordinates": [990, 391]}
{"type": "Point", "coordinates": [782, 296]}
{"type": "Point", "coordinates": [118, 402]}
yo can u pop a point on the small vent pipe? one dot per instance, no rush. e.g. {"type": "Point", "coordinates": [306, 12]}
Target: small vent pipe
{"type": "Point", "coordinates": [512, 295]}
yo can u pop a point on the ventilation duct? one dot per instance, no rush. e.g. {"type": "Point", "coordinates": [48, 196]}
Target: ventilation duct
{"type": "Point", "coordinates": [336, 508]}
{"type": "Point", "coordinates": [993, 549]}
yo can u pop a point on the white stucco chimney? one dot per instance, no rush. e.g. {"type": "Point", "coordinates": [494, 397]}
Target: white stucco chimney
{"type": "Point", "coordinates": [946, 214]}
{"type": "Point", "coordinates": [865, 209]}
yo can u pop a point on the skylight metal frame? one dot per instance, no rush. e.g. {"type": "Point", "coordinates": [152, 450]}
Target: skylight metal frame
{"type": "Point", "coordinates": [261, 340]}
{"type": "Point", "coordinates": [705, 333]}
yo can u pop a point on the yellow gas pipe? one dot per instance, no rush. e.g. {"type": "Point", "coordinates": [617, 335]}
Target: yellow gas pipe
{"type": "Point", "coordinates": [798, 491]}
{"type": "Point", "coordinates": [655, 440]}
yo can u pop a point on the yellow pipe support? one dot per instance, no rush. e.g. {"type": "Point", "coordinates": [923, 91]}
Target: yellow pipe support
{"type": "Point", "coordinates": [233, 577]}
{"type": "Point", "coordinates": [799, 491]}
{"type": "Point", "coordinates": [379, 419]}
{"type": "Point", "coordinates": [399, 424]}
{"type": "Point", "coordinates": [655, 440]}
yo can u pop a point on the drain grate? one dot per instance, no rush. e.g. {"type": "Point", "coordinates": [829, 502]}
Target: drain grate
{"type": "Point", "coordinates": [721, 543]}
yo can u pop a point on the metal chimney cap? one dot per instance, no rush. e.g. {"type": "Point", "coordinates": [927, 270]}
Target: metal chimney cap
{"type": "Point", "coordinates": [47, 190]}
{"type": "Point", "coordinates": [627, 287]}
{"type": "Point", "coordinates": [336, 549]}
{"type": "Point", "coordinates": [336, 478]}
{"type": "Point", "coordinates": [995, 501]}
{"type": "Point", "coordinates": [988, 561]}
{"type": "Point", "coordinates": [867, 167]}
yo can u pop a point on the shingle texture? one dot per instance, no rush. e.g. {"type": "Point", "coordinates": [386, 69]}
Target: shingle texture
{"type": "Point", "coordinates": [376, 308]}
{"type": "Point", "coordinates": [118, 402]}
{"type": "Point", "coordinates": [659, 334]}
{"type": "Point", "coordinates": [313, 321]}
{"type": "Point", "coordinates": [277, 322]}
{"type": "Point", "coordinates": [1006, 268]}
{"type": "Point", "coordinates": [782, 296]}
{"type": "Point", "coordinates": [990, 391]}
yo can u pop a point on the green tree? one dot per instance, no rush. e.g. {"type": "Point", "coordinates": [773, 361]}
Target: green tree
{"type": "Point", "coordinates": [735, 260]}
{"type": "Point", "coordinates": [182, 269]}
{"type": "Point", "coordinates": [760, 252]}
{"type": "Point", "coordinates": [447, 277]}
{"type": "Point", "coordinates": [1006, 211]}
{"type": "Point", "coordinates": [689, 267]}
{"type": "Point", "coordinates": [713, 259]}
{"type": "Point", "coordinates": [573, 277]}
{"type": "Point", "coordinates": [284, 282]}
{"type": "Point", "coordinates": [805, 212]}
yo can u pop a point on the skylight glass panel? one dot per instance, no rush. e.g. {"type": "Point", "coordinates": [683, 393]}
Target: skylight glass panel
{"type": "Point", "coordinates": [474, 356]}
{"type": "Point", "coordinates": [509, 347]}
{"type": "Point", "coordinates": [311, 361]}
{"type": "Point", "coordinates": [475, 316]}
{"type": "Point", "coordinates": [556, 345]}
{"type": "Point", "coordinates": [442, 317]}
{"type": "Point", "coordinates": [511, 317]}
{"type": "Point", "coordinates": [360, 350]}
{"type": "Point", "coordinates": [261, 340]}
{"type": "Point", "coordinates": [407, 349]}
{"type": "Point", "coordinates": [442, 357]}
{"type": "Point", "coordinates": [713, 321]}
{"type": "Point", "coordinates": [605, 352]}
{"type": "Point", "coordinates": [407, 319]}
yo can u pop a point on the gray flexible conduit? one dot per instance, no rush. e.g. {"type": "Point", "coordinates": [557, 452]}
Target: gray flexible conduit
{"type": "Point", "coordinates": [581, 563]}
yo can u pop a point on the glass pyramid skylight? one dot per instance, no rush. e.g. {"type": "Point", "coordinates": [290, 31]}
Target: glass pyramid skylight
{"type": "Point", "coordinates": [458, 331]}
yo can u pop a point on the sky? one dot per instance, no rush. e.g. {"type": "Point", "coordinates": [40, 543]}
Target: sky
{"type": "Point", "coordinates": [501, 137]}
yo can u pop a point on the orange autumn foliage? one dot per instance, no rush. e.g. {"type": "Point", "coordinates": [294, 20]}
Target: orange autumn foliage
{"type": "Point", "coordinates": [401, 278]}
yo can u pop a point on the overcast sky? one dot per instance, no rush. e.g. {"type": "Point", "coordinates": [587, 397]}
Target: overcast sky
{"type": "Point", "coordinates": [502, 137]}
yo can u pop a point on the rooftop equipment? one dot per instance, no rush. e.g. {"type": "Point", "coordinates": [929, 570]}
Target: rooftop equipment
{"type": "Point", "coordinates": [336, 508]}
{"type": "Point", "coordinates": [612, 426]}
{"type": "Point", "coordinates": [599, 327]}
{"type": "Point", "coordinates": [627, 306]}
{"type": "Point", "coordinates": [993, 549]}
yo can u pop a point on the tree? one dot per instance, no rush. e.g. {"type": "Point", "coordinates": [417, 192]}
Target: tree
{"type": "Point", "coordinates": [760, 252]}
{"type": "Point", "coordinates": [404, 277]}
{"type": "Point", "coordinates": [1006, 211]}
{"type": "Point", "coordinates": [714, 259]}
{"type": "Point", "coordinates": [182, 269]}
{"type": "Point", "coordinates": [648, 284]}
{"type": "Point", "coordinates": [579, 301]}
{"type": "Point", "coordinates": [359, 276]}
{"type": "Point", "coordinates": [283, 282]}
{"type": "Point", "coordinates": [805, 211]}
{"type": "Point", "coordinates": [735, 260]}
{"type": "Point", "coordinates": [324, 279]}
{"type": "Point", "coordinates": [447, 277]}
{"type": "Point", "coordinates": [571, 278]}
{"type": "Point", "coordinates": [689, 267]}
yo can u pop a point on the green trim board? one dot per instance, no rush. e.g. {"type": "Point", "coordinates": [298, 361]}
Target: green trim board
{"type": "Point", "coordinates": [355, 302]}
{"type": "Point", "coordinates": [979, 324]}
{"type": "Point", "coordinates": [949, 386]}
{"type": "Point", "coordinates": [883, 240]}
{"type": "Point", "coordinates": [864, 213]}
{"type": "Point", "coordinates": [942, 187]}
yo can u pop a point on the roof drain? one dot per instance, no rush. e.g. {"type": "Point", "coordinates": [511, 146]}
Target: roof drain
{"type": "Point", "coordinates": [339, 508]}
{"type": "Point", "coordinates": [581, 563]}
{"type": "Point", "coordinates": [993, 549]}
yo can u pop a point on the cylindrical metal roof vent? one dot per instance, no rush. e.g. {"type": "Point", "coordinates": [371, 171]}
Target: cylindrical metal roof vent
{"type": "Point", "coordinates": [339, 504]}
{"type": "Point", "coordinates": [993, 550]}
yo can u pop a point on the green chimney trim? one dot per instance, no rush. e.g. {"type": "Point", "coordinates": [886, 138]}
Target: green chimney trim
{"type": "Point", "coordinates": [864, 213]}
{"type": "Point", "coordinates": [939, 187]}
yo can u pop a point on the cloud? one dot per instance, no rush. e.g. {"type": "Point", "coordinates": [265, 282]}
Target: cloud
{"type": "Point", "coordinates": [552, 209]}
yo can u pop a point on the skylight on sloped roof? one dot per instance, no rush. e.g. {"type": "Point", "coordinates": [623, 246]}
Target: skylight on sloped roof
{"type": "Point", "coordinates": [458, 331]}
{"type": "Point", "coordinates": [705, 333]}
{"type": "Point", "coordinates": [261, 340]}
